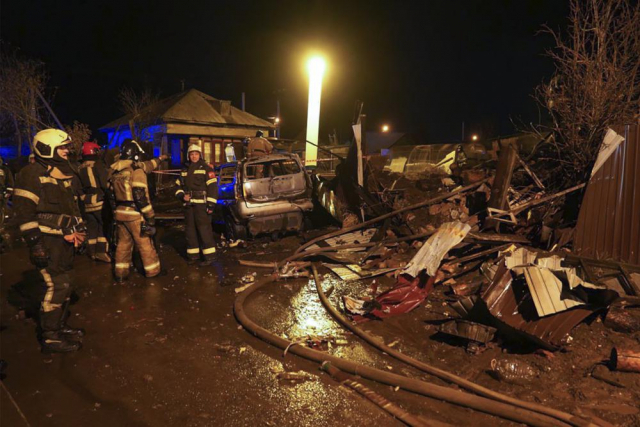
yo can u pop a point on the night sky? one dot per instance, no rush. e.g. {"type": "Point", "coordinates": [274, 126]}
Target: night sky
{"type": "Point", "coordinates": [422, 67]}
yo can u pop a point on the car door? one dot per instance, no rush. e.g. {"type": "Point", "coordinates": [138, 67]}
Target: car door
{"type": "Point", "coordinates": [227, 183]}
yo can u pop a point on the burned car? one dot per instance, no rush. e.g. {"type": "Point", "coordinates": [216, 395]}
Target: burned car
{"type": "Point", "coordinates": [269, 194]}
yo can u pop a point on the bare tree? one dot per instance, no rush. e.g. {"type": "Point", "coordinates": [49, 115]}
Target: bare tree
{"type": "Point", "coordinates": [596, 84]}
{"type": "Point", "coordinates": [135, 104]}
{"type": "Point", "coordinates": [79, 133]}
{"type": "Point", "coordinates": [22, 105]}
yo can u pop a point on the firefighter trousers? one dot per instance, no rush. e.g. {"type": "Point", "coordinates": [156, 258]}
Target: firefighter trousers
{"type": "Point", "coordinates": [96, 242]}
{"type": "Point", "coordinates": [58, 288]}
{"type": "Point", "coordinates": [129, 235]}
{"type": "Point", "coordinates": [199, 232]}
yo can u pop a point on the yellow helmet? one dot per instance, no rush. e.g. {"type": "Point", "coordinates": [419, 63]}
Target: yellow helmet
{"type": "Point", "coordinates": [194, 147]}
{"type": "Point", "coordinates": [47, 141]}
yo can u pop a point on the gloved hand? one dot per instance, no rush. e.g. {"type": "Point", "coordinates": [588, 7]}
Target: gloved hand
{"type": "Point", "coordinates": [163, 157]}
{"type": "Point", "coordinates": [210, 207]}
{"type": "Point", "coordinates": [147, 229]}
{"type": "Point", "coordinates": [39, 255]}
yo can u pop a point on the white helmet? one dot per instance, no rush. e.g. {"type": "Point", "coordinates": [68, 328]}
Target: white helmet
{"type": "Point", "coordinates": [194, 147]}
{"type": "Point", "coordinates": [47, 141]}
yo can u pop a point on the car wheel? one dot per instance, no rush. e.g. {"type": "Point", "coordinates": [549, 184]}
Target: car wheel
{"type": "Point", "coordinates": [233, 230]}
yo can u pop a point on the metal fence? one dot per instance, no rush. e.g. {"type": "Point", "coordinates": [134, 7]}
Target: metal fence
{"type": "Point", "coordinates": [609, 221]}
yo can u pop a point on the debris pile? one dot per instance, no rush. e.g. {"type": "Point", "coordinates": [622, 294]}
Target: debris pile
{"type": "Point", "coordinates": [496, 236]}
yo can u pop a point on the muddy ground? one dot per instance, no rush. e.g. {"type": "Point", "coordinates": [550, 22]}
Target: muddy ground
{"type": "Point", "coordinates": [168, 351]}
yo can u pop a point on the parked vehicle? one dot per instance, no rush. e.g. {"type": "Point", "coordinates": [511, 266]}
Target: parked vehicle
{"type": "Point", "coordinates": [269, 194]}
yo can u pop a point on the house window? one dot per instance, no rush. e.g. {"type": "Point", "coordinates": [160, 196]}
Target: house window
{"type": "Point", "coordinates": [207, 152]}
{"type": "Point", "coordinates": [218, 157]}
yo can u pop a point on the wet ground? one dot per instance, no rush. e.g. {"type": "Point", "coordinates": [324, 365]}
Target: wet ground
{"type": "Point", "coordinates": [168, 351]}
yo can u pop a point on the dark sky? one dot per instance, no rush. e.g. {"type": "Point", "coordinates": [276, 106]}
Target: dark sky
{"type": "Point", "coordinates": [420, 66]}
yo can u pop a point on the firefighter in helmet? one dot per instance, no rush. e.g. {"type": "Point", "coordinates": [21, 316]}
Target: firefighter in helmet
{"type": "Point", "coordinates": [93, 176]}
{"type": "Point", "coordinates": [134, 213]}
{"type": "Point", "coordinates": [259, 146]}
{"type": "Point", "coordinates": [48, 214]}
{"type": "Point", "coordinates": [6, 180]}
{"type": "Point", "coordinates": [198, 190]}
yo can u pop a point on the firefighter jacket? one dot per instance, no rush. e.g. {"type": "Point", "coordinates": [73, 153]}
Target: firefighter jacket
{"type": "Point", "coordinates": [128, 181]}
{"type": "Point", "coordinates": [198, 180]}
{"type": "Point", "coordinates": [259, 147]}
{"type": "Point", "coordinates": [93, 176]}
{"type": "Point", "coordinates": [6, 179]}
{"type": "Point", "coordinates": [46, 201]}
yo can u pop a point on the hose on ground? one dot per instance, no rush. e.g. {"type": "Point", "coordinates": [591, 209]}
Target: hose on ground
{"type": "Point", "coordinates": [442, 374]}
{"type": "Point", "coordinates": [479, 403]}
{"type": "Point", "coordinates": [374, 397]}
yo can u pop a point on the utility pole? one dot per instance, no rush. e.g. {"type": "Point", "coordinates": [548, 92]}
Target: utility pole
{"type": "Point", "coordinates": [242, 101]}
{"type": "Point", "coordinates": [462, 139]}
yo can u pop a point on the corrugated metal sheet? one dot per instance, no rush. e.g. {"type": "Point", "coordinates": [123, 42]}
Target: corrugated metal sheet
{"type": "Point", "coordinates": [609, 222]}
{"type": "Point", "coordinates": [512, 306]}
{"type": "Point", "coordinates": [546, 291]}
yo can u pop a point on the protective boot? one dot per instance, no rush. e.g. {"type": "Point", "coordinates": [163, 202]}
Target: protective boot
{"type": "Point", "coordinates": [101, 256]}
{"type": "Point", "coordinates": [66, 330]}
{"type": "Point", "coordinates": [56, 342]}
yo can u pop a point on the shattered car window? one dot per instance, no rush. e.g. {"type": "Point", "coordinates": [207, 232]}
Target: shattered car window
{"type": "Point", "coordinates": [272, 169]}
{"type": "Point", "coordinates": [285, 167]}
{"type": "Point", "coordinates": [226, 175]}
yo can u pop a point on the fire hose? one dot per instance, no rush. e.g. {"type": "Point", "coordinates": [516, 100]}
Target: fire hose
{"type": "Point", "coordinates": [442, 374]}
{"type": "Point", "coordinates": [501, 409]}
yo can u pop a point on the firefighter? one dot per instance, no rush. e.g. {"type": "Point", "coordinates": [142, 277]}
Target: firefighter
{"type": "Point", "coordinates": [198, 190]}
{"type": "Point", "coordinates": [47, 211]}
{"type": "Point", "coordinates": [93, 176]}
{"type": "Point", "coordinates": [6, 180]}
{"type": "Point", "coordinates": [134, 213]}
{"type": "Point", "coordinates": [259, 146]}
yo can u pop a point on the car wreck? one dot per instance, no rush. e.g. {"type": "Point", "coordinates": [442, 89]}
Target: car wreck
{"type": "Point", "coordinates": [264, 195]}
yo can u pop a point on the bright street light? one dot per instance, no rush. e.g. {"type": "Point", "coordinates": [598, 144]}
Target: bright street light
{"type": "Point", "coordinates": [474, 137]}
{"type": "Point", "coordinates": [316, 67]}
{"type": "Point", "coordinates": [385, 128]}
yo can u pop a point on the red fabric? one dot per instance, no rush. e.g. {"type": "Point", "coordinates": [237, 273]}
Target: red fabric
{"type": "Point", "coordinates": [407, 294]}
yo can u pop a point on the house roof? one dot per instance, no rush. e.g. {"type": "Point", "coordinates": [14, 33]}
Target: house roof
{"type": "Point", "coordinates": [194, 107]}
{"type": "Point", "coordinates": [377, 141]}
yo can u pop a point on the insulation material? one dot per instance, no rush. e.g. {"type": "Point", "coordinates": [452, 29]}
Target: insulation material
{"type": "Point", "coordinates": [431, 253]}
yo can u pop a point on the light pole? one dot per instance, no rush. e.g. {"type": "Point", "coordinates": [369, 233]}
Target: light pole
{"type": "Point", "coordinates": [316, 67]}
